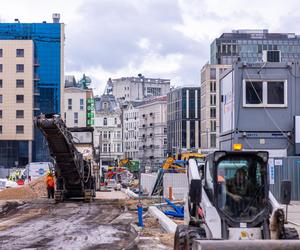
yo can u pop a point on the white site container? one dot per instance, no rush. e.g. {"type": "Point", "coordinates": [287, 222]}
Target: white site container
{"type": "Point", "coordinates": [148, 181]}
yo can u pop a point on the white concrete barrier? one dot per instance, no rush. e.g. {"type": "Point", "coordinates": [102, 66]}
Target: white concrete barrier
{"type": "Point", "coordinates": [178, 182]}
{"type": "Point", "coordinates": [168, 225]}
{"type": "Point", "coordinates": [129, 193]}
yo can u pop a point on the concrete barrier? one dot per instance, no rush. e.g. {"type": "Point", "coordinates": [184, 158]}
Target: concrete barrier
{"type": "Point", "coordinates": [167, 224]}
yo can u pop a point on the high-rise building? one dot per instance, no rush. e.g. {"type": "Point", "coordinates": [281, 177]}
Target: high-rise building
{"type": "Point", "coordinates": [32, 73]}
{"type": "Point", "coordinates": [210, 101]}
{"type": "Point", "coordinates": [183, 119]}
{"type": "Point", "coordinates": [137, 88]}
{"type": "Point", "coordinates": [253, 45]}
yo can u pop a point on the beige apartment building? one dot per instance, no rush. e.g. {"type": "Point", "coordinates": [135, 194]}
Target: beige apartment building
{"type": "Point", "coordinates": [17, 91]}
{"type": "Point", "coordinates": [210, 102]}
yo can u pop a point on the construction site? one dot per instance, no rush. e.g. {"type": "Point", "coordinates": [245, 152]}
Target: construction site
{"type": "Point", "coordinates": [195, 201]}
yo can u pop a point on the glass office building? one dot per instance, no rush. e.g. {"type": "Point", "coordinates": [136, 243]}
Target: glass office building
{"type": "Point", "coordinates": [183, 119]}
{"type": "Point", "coordinates": [248, 45]}
{"type": "Point", "coordinates": [48, 80]}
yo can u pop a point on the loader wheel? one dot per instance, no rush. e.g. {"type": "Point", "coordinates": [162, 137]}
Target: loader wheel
{"type": "Point", "coordinates": [194, 233]}
{"type": "Point", "coordinates": [290, 234]}
{"type": "Point", "coordinates": [179, 238]}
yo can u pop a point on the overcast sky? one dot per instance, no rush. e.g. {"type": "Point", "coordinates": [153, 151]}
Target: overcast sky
{"type": "Point", "coordinates": [158, 38]}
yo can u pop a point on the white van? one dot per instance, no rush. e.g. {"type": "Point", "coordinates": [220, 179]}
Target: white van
{"type": "Point", "coordinates": [35, 170]}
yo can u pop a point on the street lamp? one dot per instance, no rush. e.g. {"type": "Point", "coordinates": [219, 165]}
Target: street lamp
{"type": "Point", "coordinates": [140, 205]}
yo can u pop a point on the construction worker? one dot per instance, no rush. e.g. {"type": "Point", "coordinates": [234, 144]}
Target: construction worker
{"type": "Point", "coordinates": [50, 185]}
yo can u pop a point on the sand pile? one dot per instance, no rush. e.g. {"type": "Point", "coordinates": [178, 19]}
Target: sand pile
{"type": "Point", "coordinates": [34, 189]}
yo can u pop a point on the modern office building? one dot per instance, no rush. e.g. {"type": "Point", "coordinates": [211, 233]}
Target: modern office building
{"type": "Point", "coordinates": [210, 101]}
{"type": "Point", "coordinates": [183, 119]}
{"type": "Point", "coordinates": [253, 45]}
{"type": "Point", "coordinates": [32, 56]}
{"type": "Point", "coordinates": [108, 129]}
{"type": "Point", "coordinates": [153, 132]}
{"type": "Point", "coordinates": [137, 88]}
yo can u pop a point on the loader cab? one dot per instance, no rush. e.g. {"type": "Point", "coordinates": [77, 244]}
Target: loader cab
{"type": "Point", "coordinates": [237, 184]}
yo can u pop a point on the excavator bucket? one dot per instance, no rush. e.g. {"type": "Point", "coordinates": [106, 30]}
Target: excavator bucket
{"type": "Point", "coordinates": [246, 244]}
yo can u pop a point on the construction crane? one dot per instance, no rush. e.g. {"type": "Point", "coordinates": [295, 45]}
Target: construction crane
{"type": "Point", "coordinates": [74, 175]}
{"type": "Point", "coordinates": [229, 205]}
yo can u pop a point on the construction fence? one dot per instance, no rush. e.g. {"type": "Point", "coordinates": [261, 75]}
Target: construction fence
{"type": "Point", "coordinates": [285, 169]}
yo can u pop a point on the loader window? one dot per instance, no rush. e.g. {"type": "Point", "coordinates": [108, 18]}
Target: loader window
{"type": "Point", "coordinates": [241, 186]}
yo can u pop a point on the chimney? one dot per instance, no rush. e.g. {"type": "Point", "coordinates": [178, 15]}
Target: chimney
{"type": "Point", "coordinates": [55, 17]}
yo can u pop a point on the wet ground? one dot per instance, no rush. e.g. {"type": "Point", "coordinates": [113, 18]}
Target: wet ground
{"type": "Point", "coordinates": [69, 225]}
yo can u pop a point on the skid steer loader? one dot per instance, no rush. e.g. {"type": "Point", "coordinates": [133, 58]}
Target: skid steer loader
{"type": "Point", "coordinates": [229, 206]}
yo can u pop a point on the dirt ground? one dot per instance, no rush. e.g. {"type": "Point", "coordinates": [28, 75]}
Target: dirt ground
{"type": "Point", "coordinates": [34, 189]}
{"type": "Point", "coordinates": [153, 229]}
{"type": "Point", "coordinates": [69, 225]}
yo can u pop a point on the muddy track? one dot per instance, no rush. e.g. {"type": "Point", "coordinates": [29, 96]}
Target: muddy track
{"type": "Point", "coordinates": [70, 225]}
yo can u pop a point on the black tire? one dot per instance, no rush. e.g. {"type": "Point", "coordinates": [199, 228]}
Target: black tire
{"type": "Point", "coordinates": [290, 234]}
{"type": "Point", "coordinates": [194, 233]}
{"type": "Point", "coordinates": [180, 236]}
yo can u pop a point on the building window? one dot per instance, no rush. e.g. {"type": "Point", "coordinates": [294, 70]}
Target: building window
{"type": "Point", "coordinates": [118, 134]}
{"type": "Point", "coordinates": [254, 92]}
{"type": "Point", "coordinates": [105, 105]}
{"type": "Point", "coordinates": [213, 100]}
{"type": "Point", "coordinates": [105, 134]}
{"type": "Point", "coordinates": [1, 83]}
{"type": "Point", "coordinates": [213, 73]}
{"type": "Point", "coordinates": [1, 67]}
{"type": "Point", "coordinates": [75, 117]}
{"type": "Point", "coordinates": [20, 53]}
{"type": "Point", "coordinates": [0, 129]}
{"type": "Point", "coordinates": [19, 113]}
{"type": "Point", "coordinates": [69, 104]}
{"type": "Point", "coordinates": [116, 120]}
{"type": "Point", "coordinates": [20, 83]}
{"type": "Point", "coordinates": [265, 93]}
{"type": "Point", "coordinates": [81, 104]}
{"type": "Point", "coordinates": [20, 129]}
{"type": "Point", "coordinates": [213, 126]}
{"type": "Point", "coordinates": [213, 140]}
{"type": "Point", "coordinates": [275, 92]}
{"type": "Point", "coordinates": [1, 113]}
{"type": "Point", "coordinates": [213, 86]}
{"type": "Point", "coordinates": [1, 52]}
{"type": "Point", "coordinates": [118, 147]}
{"type": "Point", "coordinates": [105, 147]}
{"type": "Point", "coordinates": [20, 68]}
{"type": "Point", "coordinates": [20, 98]}
{"type": "Point", "coordinates": [104, 121]}
{"type": "Point", "coordinates": [1, 98]}
{"type": "Point", "coordinates": [212, 112]}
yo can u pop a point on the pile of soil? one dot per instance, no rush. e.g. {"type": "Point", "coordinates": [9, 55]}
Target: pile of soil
{"type": "Point", "coordinates": [33, 190]}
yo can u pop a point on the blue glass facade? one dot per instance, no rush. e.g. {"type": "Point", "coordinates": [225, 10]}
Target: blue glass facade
{"type": "Point", "coordinates": [47, 70]}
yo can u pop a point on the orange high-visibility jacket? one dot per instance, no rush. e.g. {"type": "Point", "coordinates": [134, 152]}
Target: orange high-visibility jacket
{"type": "Point", "coordinates": [50, 181]}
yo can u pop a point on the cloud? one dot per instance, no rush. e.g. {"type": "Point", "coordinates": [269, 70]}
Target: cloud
{"type": "Point", "coordinates": [162, 38]}
{"type": "Point", "coordinates": [131, 37]}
